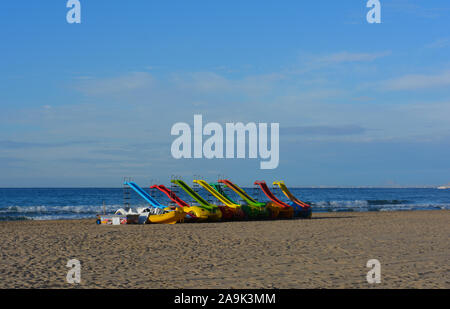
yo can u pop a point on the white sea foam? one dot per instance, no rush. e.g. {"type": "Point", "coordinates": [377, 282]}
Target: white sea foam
{"type": "Point", "coordinates": [378, 205]}
{"type": "Point", "coordinates": [47, 212]}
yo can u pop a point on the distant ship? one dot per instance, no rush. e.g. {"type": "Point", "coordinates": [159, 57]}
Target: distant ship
{"type": "Point", "coordinates": [443, 187]}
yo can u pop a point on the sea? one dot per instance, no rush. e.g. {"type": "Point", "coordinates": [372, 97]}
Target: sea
{"type": "Point", "coordinates": [78, 203]}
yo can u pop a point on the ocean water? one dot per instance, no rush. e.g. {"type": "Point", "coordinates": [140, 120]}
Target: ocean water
{"type": "Point", "coordinates": [75, 203]}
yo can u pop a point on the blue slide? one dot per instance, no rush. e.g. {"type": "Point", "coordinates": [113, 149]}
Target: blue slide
{"type": "Point", "coordinates": [145, 195]}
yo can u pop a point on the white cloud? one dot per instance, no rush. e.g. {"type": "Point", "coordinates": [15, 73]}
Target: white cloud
{"type": "Point", "coordinates": [211, 82]}
{"type": "Point", "coordinates": [418, 81]}
{"type": "Point", "coordinates": [314, 62]}
{"type": "Point", "coordinates": [125, 83]}
{"type": "Point", "coordinates": [342, 57]}
{"type": "Point", "coordinates": [316, 111]}
{"type": "Point", "coordinates": [202, 81]}
{"type": "Point", "coordinates": [439, 43]}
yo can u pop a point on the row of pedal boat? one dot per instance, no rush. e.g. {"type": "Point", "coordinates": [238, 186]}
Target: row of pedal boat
{"type": "Point", "coordinates": [227, 209]}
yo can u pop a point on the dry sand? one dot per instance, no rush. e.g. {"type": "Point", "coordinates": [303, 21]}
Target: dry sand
{"type": "Point", "coordinates": [329, 251]}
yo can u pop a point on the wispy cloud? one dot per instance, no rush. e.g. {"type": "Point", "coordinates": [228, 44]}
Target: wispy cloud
{"type": "Point", "coordinates": [11, 160]}
{"type": "Point", "coordinates": [313, 62]}
{"type": "Point", "coordinates": [26, 145]}
{"type": "Point", "coordinates": [210, 82]}
{"type": "Point", "coordinates": [323, 130]}
{"type": "Point", "coordinates": [418, 81]}
{"type": "Point", "coordinates": [342, 57]}
{"type": "Point", "coordinates": [207, 82]}
{"type": "Point", "coordinates": [124, 83]}
{"type": "Point", "coordinates": [415, 8]}
{"type": "Point", "coordinates": [439, 43]}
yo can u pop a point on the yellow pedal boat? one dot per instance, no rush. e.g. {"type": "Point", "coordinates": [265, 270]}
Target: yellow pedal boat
{"type": "Point", "coordinates": [198, 214]}
{"type": "Point", "coordinates": [170, 217]}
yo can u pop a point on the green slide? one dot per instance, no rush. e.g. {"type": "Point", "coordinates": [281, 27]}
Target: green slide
{"type": "Point", "coordinates": [252, 208]}
{"type": "Point", "coordinates": [194, 195]}
{"type": "Point", "coordinates": [220, 189]}
{"type": "Point", "coordinates": [247, 198]}
{"type": "Point", "coordinates": [215, 193]}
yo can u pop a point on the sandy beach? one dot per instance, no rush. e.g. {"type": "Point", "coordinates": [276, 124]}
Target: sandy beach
{"type": "Point", "coordinates": [329, 251]}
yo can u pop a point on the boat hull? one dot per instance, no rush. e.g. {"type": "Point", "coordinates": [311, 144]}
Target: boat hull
{"type": "Point", "coordinates": [302, 212]}
{"type": "Point", "coordinates": [231, 213]}
{"type": "Point", "coordinates": [197, 214]}
{"type": "Point", "coordinates": [171, 217]}
{"type": "Point", "coordinates": [256, 212]}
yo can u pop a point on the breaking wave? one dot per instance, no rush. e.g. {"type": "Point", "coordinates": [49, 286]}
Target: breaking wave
{"type": "Point", "coordinates": [374, 205]}
{"type": "Point", "coordinates": [13, 213]}
{"type": "Point", "coordinates": [54, 204]}
{"type": "Point", "coordinates": [17, 213]}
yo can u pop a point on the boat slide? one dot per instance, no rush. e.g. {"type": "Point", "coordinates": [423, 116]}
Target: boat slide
{"type": "Point", "coordinates": [196, 213]}
{"type": "Point", "coordinates": [145, 195]}
{"type": "Point", "coordinates": [252, 208]}
{"type": "Point", "coordinates": [173, 197]}
{"type": "Point", "coordinates": [286, 210]}
{"type": "Point", "coordinates": [218, 187]}
{"type": "Point", "coordinates": [159, 213]}
{"type": "Point", "coordinates": [216, 194]}
{"type": "Point", "coordinates": [270, 195]}
{"type": "Point", "coordinates": [229, 209]}
{"type": "Point", "coordinates": [169, 217]}
{"type": "Point", "coordinates": [193, 194]}
{"type": "Point", "coordinates": [215, 212]}
{"type": "Point", "coordinates": [247, 198]}
{"type": "Point", "coordinates": [289, 195]}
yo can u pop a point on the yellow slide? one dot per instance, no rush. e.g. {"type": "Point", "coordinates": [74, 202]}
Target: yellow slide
{"type": "Point", "coordinates": [289, 195]}
{"type": "Point", "coordinates": [216, 194]}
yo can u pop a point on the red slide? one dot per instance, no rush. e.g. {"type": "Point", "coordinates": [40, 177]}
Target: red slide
{"type": "Point", "coordinates": [270, 195]}
{"type": "Point", "coordinates": [173, 197]}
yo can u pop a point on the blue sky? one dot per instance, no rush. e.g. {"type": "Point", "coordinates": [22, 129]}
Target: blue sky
{"type": "Point", "coordinates": [358, 104]}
